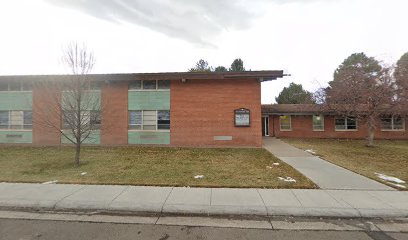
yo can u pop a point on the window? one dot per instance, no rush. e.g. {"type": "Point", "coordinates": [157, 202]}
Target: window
{"type": "Point", "coordinates": [16, 120]}
{"type": "Point", "coordinates": [163, 84]}
{"type": "Point", "coordinates": [149, 85]}
{"type": "Point", "coordinates": [135, 85]}
{"type": "Point", "coordinates": [318, 122]}
{"type": "Point", "coordinates": [135, 120]}
{"type": "Point", "coordinates": [346, 123]}
{"type": "Point", "coordinates": [392, 123]}
{"type": "Point", "coordinates": [163, 119]}
{"type": "Point", "coordinates": [149, 120]}
{"type": "Point", "coordinates": [90, 118]}
{"type": "Point", "coordinates": [3, 86]}
{"type": "Point", "coordinates": [13, 85]}
{"type": "Point", "coordinates": [285, 123]}
{"type": "Point", "coordinates": [95, 85]}
{"type": "Point", "coordinates": [4, 119]}
{"type": "Point", "coordinates": [28, 120]}
{"type": "Point", "coordinates": [95, 119]}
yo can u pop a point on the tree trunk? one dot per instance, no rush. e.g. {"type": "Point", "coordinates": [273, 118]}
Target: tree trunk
{"type": "Point", "coordinates": [77, 154]}
{"type": "Point", "coordinates": [371, 129]}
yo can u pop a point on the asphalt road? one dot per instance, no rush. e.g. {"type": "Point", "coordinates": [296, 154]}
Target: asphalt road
{"type": "Point", "coordinates": [18, 229]}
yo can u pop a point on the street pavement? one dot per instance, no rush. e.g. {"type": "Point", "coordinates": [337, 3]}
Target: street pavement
{"type": "Point", "coordinates": [326, 175]}
{"type": "Point", "coordinates": [203, 201]}
{"type": "Point", "coordinates": [64, 230]}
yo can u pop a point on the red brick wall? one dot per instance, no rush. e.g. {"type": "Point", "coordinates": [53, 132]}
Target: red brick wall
{"type": "Point", "coordinates": [46, 114]}
{"type": "Point", "coordinates": [202, 109]}
{"type": "Point", "coordinates": [114, 129]}
{"type": "Point", "coordinates": [302, 128]}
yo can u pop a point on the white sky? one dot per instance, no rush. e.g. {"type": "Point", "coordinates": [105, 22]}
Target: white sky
{"type": "Point", "coordinates": [306, 38]}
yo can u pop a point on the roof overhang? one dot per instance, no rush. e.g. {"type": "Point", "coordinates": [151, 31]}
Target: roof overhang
{"type": "Point", "coordinates": [262, 76]}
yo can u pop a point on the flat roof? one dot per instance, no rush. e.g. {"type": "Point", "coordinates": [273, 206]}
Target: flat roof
{"type": "Point", "coordinates": [265, 75]}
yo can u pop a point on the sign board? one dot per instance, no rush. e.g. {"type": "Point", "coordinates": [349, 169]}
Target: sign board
{"type": "Point", "coordinates": [242, 117]}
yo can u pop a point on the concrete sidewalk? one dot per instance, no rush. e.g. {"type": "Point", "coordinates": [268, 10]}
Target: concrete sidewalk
{"type": "Point", "coordinates": [325, 174]}
{"type": "Point", "coordinates": [206, 201]}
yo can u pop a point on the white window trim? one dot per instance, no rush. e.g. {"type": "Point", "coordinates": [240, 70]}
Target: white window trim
{"type": "Point", "coordinates": [149, 90]}
{"type": "Point", "coordinates": [313, 126]}
{"type": "Point", "coordinates": [345, 130]}
{"type": "Point", "coordinates": [141, 125]}
{"type": "Point", "coordinates": [290, 122]}
{"type": "Point", "coordinates": [392, 124]}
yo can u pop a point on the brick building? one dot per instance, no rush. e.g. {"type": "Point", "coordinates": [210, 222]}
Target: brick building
{"type": "Point", "coordinates": [311, 121]}
{"type": "Point", "coordinates": [178, 109]}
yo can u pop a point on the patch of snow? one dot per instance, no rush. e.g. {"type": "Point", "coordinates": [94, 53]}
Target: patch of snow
{"type": "Point", "coordinates": [287, 179]}
{"type": "Point", "coordinates": [397, 185]}
{"type": "Point", "coordinates": [276, 163]}
{"type": "Point", "coordinates": [389, 178]}
{"type": "Point", "coordinates": [310, 151]}
{"type": "Point", "coordinates": [83, 173]}
{"type": "Point", "coordinates": [270, 167]}
{"type": "Point", "coordinates": [199, 176]}
{"type": "Point", "coordinates": [50, 182]}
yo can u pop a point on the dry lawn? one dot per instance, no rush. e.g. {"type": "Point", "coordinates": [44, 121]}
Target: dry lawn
{"type": "Point", "coordinates": [148, 166]}
{"type": "Point", "coordinates": [389, 157]}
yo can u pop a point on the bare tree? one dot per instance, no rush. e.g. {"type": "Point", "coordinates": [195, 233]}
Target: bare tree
{"type": "Point", "coordinates": [363, 89]}
{"type": "Point", "coordinates": [72, 107]}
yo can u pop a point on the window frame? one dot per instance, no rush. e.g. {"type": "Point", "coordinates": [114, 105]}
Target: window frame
{"type": "Point", "coordinates": [345, 124]}
{"type": "Point", "coordinates": [141, 89]}
{"type": "Point", "coordinates": [313, 125]}
{"type": "Point", "coordinates": [143, 120]}
{"type": "Point", "coordinates": [392, 124]}
{"type": "Point", "coordinates": [20, 127]}
{"type": "Point", "coordinates": [21, 86]}
{"type": "Point", "coordinates": [290, 123]}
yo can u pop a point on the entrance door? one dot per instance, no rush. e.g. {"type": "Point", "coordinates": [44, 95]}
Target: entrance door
{"type": "Point", "coordinates": [265, 126]}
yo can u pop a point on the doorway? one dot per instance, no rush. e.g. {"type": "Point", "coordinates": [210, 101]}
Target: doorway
{"type": "Point", "coordinates": [265, 126]}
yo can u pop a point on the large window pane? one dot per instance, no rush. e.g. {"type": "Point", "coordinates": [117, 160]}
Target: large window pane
{"type": "Point", "coordinates": [135, 120]}
{"type": "Point", "coordinates": [14, 86]}
{"type": "Point", "coordinates": [386, 123]}
{"type": "Point", "coordinates": [398, 123]}
{"type": "Point", "coordinates": [318, 122]}
{"type": "Point", "coordinates": [27, 86]}
{"type": "Point", "coordinates": [351, 123]}
{"type": "Point", "coordinates": [163, 119]}
{"type": "Point", "coordinates": [16, 119]}
{"type": "Point", "coordinates": [95, 119]}
{"type": "Point", "coordinates": [340, 123]}
{"type": "Point", "coordinates": [4, 119]}
{"type": "Point", "coordinates": [149, 84]}
{"type": "Point", "coordinates": [3, 86]}
{"type": "Point", "coordinates": [163, 84]}
{"type": "Point", "coordinates": [285, 122]}
{"type": "Point", "coordinates": [149, 120]}
{"type": "Point", "coordinates": [135, 85]}
{"type": "Point", "coordinates": [28, 120]}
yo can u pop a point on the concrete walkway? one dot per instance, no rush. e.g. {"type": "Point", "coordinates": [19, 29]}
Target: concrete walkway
{"type": "Point", "coordinates": [207, 201]}
{"type": "Point", "coordinates": [326, 175]}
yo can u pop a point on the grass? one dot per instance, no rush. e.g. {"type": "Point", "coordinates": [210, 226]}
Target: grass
{"type": "Point", "coordinates": [389, 157]}
{"type": "Point", "coordinates": [222, 167]}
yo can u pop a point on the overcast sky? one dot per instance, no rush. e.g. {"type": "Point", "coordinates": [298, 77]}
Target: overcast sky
{"type": "Point", "coordinates": [306, 38]}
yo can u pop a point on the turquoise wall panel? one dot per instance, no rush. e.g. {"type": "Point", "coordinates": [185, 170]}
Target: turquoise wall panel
{"type": "Point", "coordinates": [135, 137]}
{"type": "Point", "coordinates": [149, 100]}
{"type": "Point", "coordinates": [16, 101]}
{"type": "Point", "coordinates": [94, 138]}
{"type": "Point", "coordinates": [91, 100]}
{"type": "Point", "coordinates": [16, 136]}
